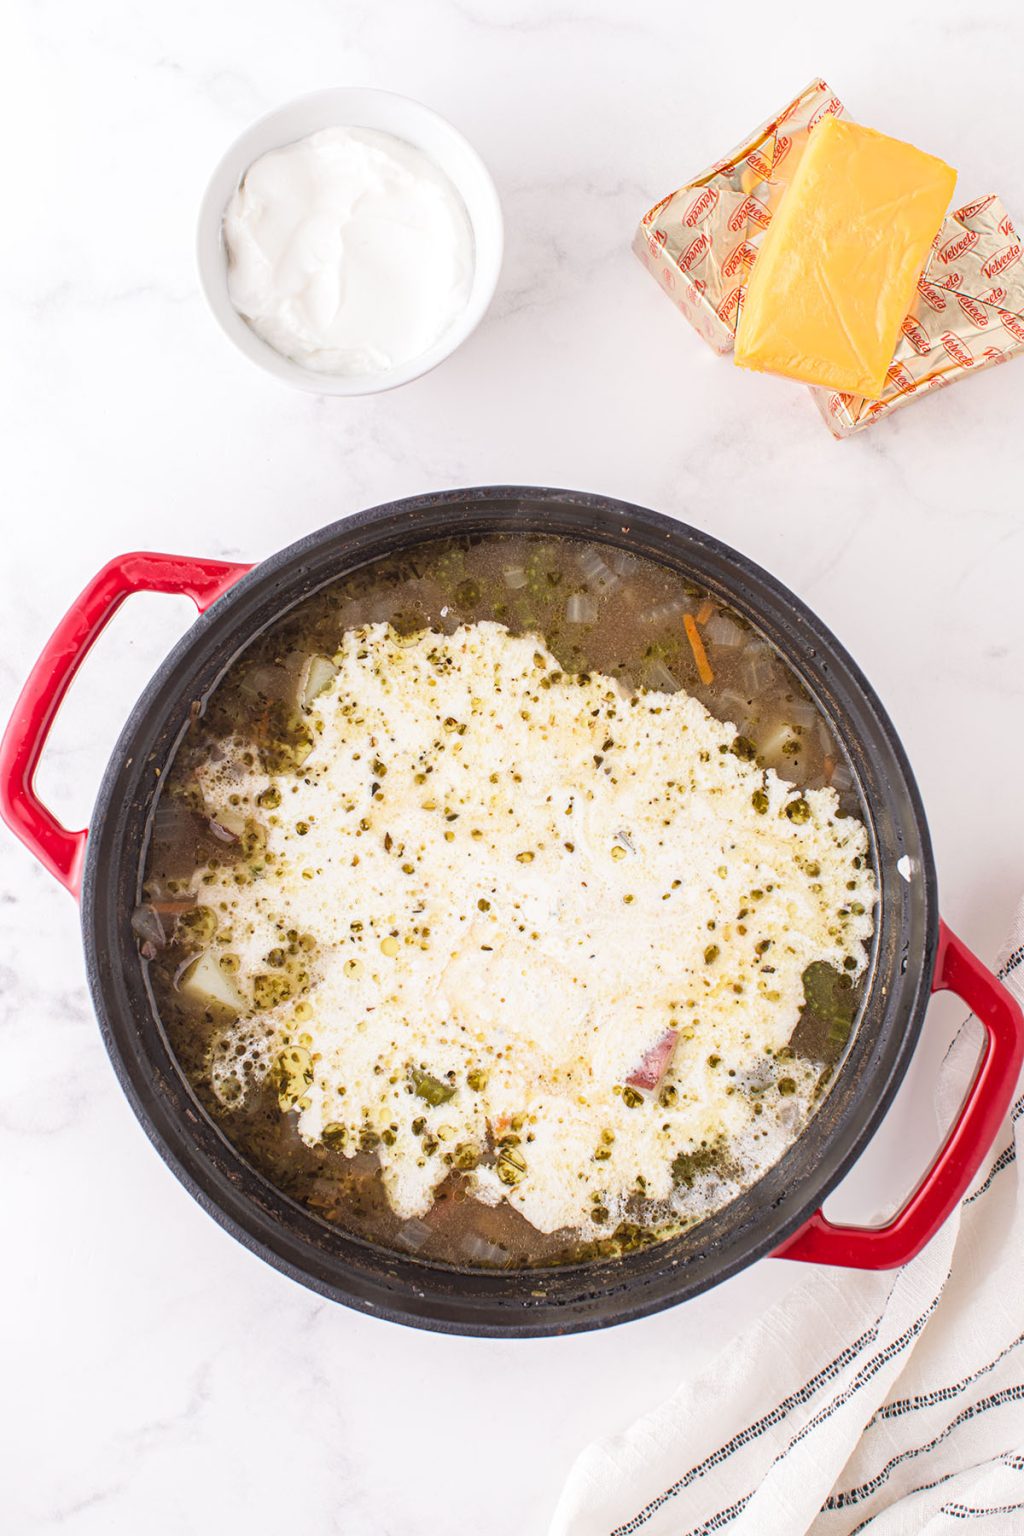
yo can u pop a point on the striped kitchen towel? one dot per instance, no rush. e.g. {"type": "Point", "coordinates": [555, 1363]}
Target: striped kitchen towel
{"type": "Point", "coordinates": [886, 1403]}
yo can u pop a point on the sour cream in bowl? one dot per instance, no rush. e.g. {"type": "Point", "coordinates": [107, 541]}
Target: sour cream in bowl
{"type": "Point", "coordinates": [350, 241]}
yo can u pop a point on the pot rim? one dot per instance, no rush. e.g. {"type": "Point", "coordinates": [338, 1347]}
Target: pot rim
{"type": "Point", "coordinates": [638, 1285]}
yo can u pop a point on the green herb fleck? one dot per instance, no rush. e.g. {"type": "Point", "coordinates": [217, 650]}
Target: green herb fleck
{"type": "Point", "coordinates": [430, 1088]}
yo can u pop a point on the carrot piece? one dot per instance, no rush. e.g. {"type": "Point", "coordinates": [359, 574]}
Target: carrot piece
{"type": "Point", "coordinates": [705, 611]}
{"type": "Point", "coordinates": [700, 655]}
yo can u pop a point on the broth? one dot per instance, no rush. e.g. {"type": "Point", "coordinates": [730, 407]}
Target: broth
{"type": "Point", "coordinates": [598, 611]}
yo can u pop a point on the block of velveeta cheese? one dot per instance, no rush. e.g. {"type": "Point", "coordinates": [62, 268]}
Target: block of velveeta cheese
{"type": "Point", "coordinates": [837, 269]}
{"type": "Point", "coordinates": [967, 314]}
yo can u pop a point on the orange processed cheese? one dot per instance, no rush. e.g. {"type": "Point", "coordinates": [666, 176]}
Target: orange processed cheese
{"type": "Point", "coordinates": [837, 270]}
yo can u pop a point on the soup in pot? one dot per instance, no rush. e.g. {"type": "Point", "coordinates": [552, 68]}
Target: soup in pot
{"type": "Point", "coordinates": [509, 902]}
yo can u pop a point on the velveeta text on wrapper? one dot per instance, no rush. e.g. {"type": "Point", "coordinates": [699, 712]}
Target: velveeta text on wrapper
{"type": "Point", "coordinates": [701, 242]}
{"type": "Point", "coordinates": [968, 315]}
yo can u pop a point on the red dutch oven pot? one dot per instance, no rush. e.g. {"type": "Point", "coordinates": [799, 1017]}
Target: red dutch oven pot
{"type": "Point", "coordinates": [914, 953]}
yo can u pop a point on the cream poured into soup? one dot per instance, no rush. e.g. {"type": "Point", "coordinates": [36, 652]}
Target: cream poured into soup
{"type": "Point", "coordinates": [489, 953]}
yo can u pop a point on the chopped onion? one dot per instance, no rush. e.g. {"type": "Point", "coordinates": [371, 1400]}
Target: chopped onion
{"type": "Point", "coordinates": [824, 737]}
{"type": "Point", "coordinates": [266, 682]}
{"type": "Point", "coordinates": [660, 679]}
{"type": "Point", "coordinates": [515, 577]}
{"type": "Point", "coordinates": [172, 820]}
{"type": "Point", "coordinates": [412, 1234]}
{"type": "Point", "coordinates": [664, 613]}
{"type": "Point", "coordinates": [146, 925]}
{"type": "Point", "coordinates": [758, 668]}
{"type": "Point", "coordinates": [598, 576]}
{"type": "Point", "coordinates": [352, 613]}
{"type": "Point", "coordinates": [734, 708]}
{"type": "Point", "coordinates": [721, 631]}
{"type": "Point", "coordinates": [621, 562]}
{"type": "Point", "coordinates": [801, 712]}
{"type": "Point", "coordinates": [581, 609]}
{"type": "Point", "coordinates": [842, 779]}
{"type": "Point", "coordinates": [476, 1247]}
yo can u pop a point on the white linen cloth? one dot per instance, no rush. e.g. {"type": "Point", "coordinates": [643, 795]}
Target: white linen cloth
{"type": "Point", "coordinates": [888, 1403]}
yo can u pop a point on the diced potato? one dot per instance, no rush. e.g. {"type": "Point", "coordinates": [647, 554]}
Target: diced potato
{"type": "Point", "coordinates": [772, 743]}
{"type": "Point", "coordinates": [207, 983]}
{"type": "Point", "coordinates": [317, 677]}
{"type": "Point", "coordinates": [292, 1076]}
{"type": "Point", "coordinates": [230, 818]}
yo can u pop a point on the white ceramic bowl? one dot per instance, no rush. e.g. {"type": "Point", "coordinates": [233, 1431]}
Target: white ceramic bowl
{"type": "Point", "coordinates": [354, 108]}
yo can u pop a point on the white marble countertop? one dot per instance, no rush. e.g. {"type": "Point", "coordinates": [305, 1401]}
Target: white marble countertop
{"type": "Point", "coordinates": [157, 1377]}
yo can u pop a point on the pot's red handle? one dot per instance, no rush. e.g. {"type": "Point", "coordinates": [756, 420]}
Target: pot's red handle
{"type": "Point", "coordinates": [61, 851]}
{"type": "Point", "coordinates": [983, 1111]}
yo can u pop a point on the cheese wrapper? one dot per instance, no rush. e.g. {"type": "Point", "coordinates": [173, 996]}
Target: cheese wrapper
{"type": "Point", "coordinates": [702, 241]}
{"type": "Point", "coordinates": [838, 267]}
{"type": "Point", "coordinates": [967, 315]}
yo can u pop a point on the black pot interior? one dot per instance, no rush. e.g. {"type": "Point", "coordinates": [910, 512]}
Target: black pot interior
{"type": "Point", "coordinates": [534, 1302]}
